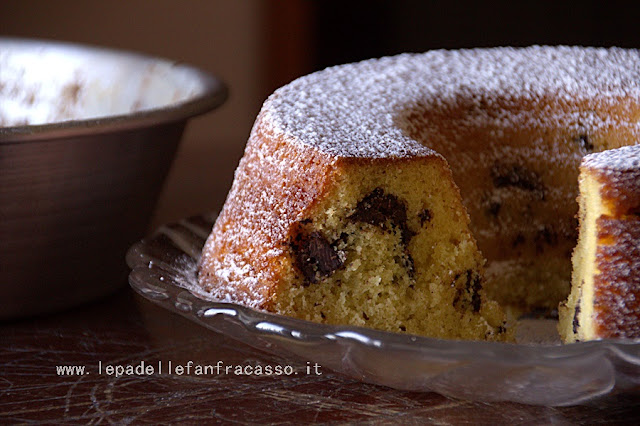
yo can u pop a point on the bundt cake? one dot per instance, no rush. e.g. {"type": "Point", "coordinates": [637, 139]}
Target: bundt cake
{"type": "Point", "coordinates": [344, 209]}
{"type": "Point", "coordinates": [605, 292]}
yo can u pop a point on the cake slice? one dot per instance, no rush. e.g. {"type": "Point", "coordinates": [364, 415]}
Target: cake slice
{"type": "Point", "coordinates": [605, 294]}
{"type": "Point", "coordinates": [375, 242]}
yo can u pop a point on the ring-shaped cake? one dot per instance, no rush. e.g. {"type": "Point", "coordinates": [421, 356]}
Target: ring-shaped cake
{"type": "Point", "coordinates": [371, 193]}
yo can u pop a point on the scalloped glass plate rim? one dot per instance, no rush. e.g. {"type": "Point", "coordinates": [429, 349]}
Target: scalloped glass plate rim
{"type": "Point", "coordinates": [170, 282]}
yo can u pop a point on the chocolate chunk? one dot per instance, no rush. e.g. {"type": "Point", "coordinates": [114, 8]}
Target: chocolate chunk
{"type": "Point", "coordinates": [377, 208]}
{"type": "Point", "coordinates": [403, 328]}
{"type": "Point", "coordinates": [494, 208]}
{"type": "Point", "coordinates": [545, 236]}
{"type": "Point", "coordinates": [470, 294]}
{"type": "Point", "coordinates": [474, 285]}
{"type": "Point", "coordinates": [365, 316]}
{"type": "Point", "coordinates": [322, 252]}
{"type": "Point", "coordinates": [576, 322]}
{"type": "Point", "coordinates": [583, 141]}
{"type": "Point", "coordinates": [518, 240]}
{"type": "Point", "coordinates": [407, 262]}
{"type": "Point", "coordinates": [409, 265]}
{"type": "Point", "coordinates": [388, 212]}
{"type": "Point", "coordinates": [456, 299]}
{"type": "Point", "coordinates": [314, 256]}
{"type": "Point", "coordinates": [385, 211]}
{"type": "Point", "coordinates": [425, 216]}
{"type": "Point", "coordinates": [517, 176]}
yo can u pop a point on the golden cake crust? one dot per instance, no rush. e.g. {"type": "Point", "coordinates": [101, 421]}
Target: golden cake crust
{"type": "Point", "coordinates": [605, 296]}
{"type": "Point", "coordinates": [513, 125]}
{"type": "Point", "coordinates": [243, 256]}
{"type": "Point", "coordinates": [617, 285]}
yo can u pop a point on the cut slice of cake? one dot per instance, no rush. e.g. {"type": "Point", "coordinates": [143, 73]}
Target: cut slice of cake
{"type": "Point", "coordinates": [381, 243]}
{"type": "Point", "coordinates": [605, 295]}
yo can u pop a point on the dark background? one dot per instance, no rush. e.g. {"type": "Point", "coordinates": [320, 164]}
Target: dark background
{"type": "Point", "coordinates": [256, 46]}
{"type": "Point", "coordinates": [354, 30]}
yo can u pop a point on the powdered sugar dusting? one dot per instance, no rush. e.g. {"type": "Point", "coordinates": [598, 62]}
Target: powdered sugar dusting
{"type": "Point", "coordinates": [353, 110]}
{"type": "Point", "coordinates": [615, 160]}
{"type": "Point", "coordinates": [401, 106]}
{"type": "Point", "coordinates": [618, 172]}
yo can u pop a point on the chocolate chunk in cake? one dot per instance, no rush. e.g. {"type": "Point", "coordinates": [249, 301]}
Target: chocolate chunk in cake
{"type": "Point", "coordinates": [576, 322]}
{"type": "Point", "coordinates": [384, 211]}
{"type": "Point", "coordinates": [517, 176]}
{"type": "Point", "coordinates": [424, 216]}
{"type": "Point", "coordinates": [546, 236]}
{"type": "Point", "coordinates": [583, 141]}
{"type": "Point", "coordinates": [315, 256]}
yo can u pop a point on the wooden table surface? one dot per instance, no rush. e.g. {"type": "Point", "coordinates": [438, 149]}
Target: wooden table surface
{"type": "Point", "coordinates": [125, 330]}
